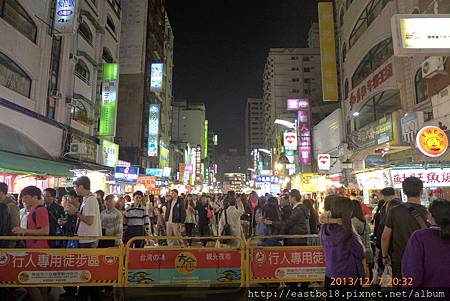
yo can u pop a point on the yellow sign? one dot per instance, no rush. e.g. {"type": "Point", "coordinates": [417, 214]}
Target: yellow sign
{"type": "Point", "coordinates": [185, 263]}
{"type": "Point", "coordinates": [432, 141]}
{"type": "Point", "coordinates": [328, 52]}
{"type": "Point", "coordinates": [309, 182]}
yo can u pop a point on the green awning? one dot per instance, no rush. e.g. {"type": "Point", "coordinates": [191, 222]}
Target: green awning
{"type": "Point", "coordinates": [21, 164]}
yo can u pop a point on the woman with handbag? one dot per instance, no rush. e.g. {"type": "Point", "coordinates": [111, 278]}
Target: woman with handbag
{"type": "Point", "coordinates": [230, 221]}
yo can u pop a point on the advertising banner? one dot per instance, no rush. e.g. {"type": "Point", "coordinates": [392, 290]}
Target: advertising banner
{"type": "Point", "coordinates": [296, 104]}
{"type": "Point", "coordinates": [284, 263]}
{"type": "Point", "coordinates": [432, 177]}
{"type": "Point", "coordinates": [377, 179]}
{"type": "Point", "coordinates": [432, 141]}
{"type": "Point", "coordinates": [127, 174]}
{"type": "Point", "coordinates": [328, 52]}
{"type": "Point", "coordinates": [205, 141]}
{"type": "Point", "coordinates": [156, 77]}
{"type": "Point", "coordinates": [60, 267]}
{"type": "Point", "coordinates": [153, 130]}
{"type": "Point", "coordinates": [411, 123]}
{"type": "Point", "coordinates": [304, 135]}
{"type": "Point", "coordinates": [148, 181]}
{"type": "Point", "coordinates": [109, 101]}
{"type": "Point", "coordinates": [65, 17]}
{"type": "Point", "coordinates": [378, 132]}
{"type": "Point", "coordinates": [156, 172]}
{"type": "Point", "coordinates": [290, 140]}
{"type": "Point", "coordinates": [164, 159]}
{"type": "Point", "coordinates": [110, 153]}
{"type": "Point", "coordinates": [324, 161]}
{"type": "Point", "coordinates": [151, 266]}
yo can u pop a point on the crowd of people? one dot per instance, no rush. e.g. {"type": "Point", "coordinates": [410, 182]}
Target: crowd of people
{"type": "Point", "coordinates": [403, 236]}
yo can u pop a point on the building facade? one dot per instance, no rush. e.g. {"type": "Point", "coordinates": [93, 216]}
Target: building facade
{"type": "Point", "coordinates": [255, 136]}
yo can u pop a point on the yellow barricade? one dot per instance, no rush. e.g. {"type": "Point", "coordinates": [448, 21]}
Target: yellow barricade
{"type": "Point", "coordinates": [266, 264]}
{"type": "Point", "coordinates": [177, 264]}
{"type": "Point", "coordinates": [22, 267]}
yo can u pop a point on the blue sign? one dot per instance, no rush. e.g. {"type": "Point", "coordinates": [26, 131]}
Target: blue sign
{"type": "Point", "coordinates": [268, 179]}
{"type": "Point", "coordinates": [162, 183]}
{"type": "Point", "coordinates": [155, 172]}
{"type": "Point", "coordinates": [127, 174]}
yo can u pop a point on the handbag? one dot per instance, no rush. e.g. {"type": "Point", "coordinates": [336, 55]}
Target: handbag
{"type": "Point", "coordinates": [386, 278]}
{"type": "Point", "coordinates": [226, 231]}
{"type": "Point", "coordinates": [375, 274]}
{"type": "Point", "coordinates": [209, 214]}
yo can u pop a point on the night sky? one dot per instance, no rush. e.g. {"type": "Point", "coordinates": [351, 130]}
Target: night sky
{"type": "Point", "coordinates": [220, 51]}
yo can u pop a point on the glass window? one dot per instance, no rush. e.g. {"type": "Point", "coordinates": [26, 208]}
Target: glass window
{"type": "Point", "coordinates": [78, 111]}
{"type": "Point", "coordinates": [82, 72]}
{"type": "Point", "coordinates": [373, 59]}
{"type": "Point", "coordinates": [420, 86]}
{"type": "Point", "coordinates": [13, 77]}
{"type": "Point", "coordinates": [85, 32]}
{"type": "Point", "coordinates": [107, 56]}
{"type": "Point", "coordinates": [377, 106]}
{"type": "Point", "coordinates": [369, 14]}
{"type": "Point", "coordinates": [110, 23]}
{"type": "Point", "coordinates": [13, 13]}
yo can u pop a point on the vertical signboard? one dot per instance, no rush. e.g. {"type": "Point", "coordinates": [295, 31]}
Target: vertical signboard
{"type": "Point", "coordinates": [290, 140]}
{"type": "Point", "coordinates": [205, 140]}
{"type": "Point", "coordinates": [153, 130]}
{"type": "Point", "coordinates": [110, 153]}
{"type": "Point", "coordinates": [296, 104]}
{"type": "Point", "coordinates": [324, 161]}
{"type": "Point", "coordinates": [108, 108]}
{"type": "Point", "coordinates": [65, 17]}
{"type": "Point", "coordinates": [198, 160]}
{"type": "Point", "coordinates": [156, 77]}
{"type": "Point", "coordinates": [304, 135]}
{"type": "Point", "coordinates": [328, 52]}
{"type": "Point", "coordinates": [163, 157]}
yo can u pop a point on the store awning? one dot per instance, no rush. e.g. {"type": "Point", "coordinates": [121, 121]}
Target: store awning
{"type": "Point", "coordinates": [21, 164]}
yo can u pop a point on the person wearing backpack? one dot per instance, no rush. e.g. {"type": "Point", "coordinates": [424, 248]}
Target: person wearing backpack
{"type": "Point", "coordinates": [55, 212]}
{"type": "Point", "coordinates": [13, 209]}
{"type": "Point", "coordinates": [400, 223]}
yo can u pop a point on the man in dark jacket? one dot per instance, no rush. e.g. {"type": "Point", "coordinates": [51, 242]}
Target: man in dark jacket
{"type": "Point", "coordinates": [297, 223]}
{"type": "Point", "coordinates": [286, 209]}
{"type": "Point", "coordinates": [175, 217]}
{"type": "Point", "coordinates": [203, 220]}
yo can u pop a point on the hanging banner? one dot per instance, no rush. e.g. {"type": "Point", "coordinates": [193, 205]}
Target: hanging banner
{"type": "Point", "coordinates": [164, 159]}
{"type": "Point", "coordinates": [324, 161]}
{"type": "Point", "coordinates": [290, 140]}
{"type": "Point", "coordinates": [153, 130]}
{"type": "Point", "coordinates": [205, 140]}
{"type": "Point", "coordinates": [108, 108]}
{"type": "Point", "coordinates": [304, 135]}
{"type": "Point", "coordinates": [109, 153]}
{"type": "Point", "coordinates": [156, 77]}
{"type": "Point", "coordinates": [328, 52]}
{"type": "Point", "coordinates": [65, 17]}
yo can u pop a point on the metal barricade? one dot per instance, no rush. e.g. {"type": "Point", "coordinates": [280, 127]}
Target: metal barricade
{"type": "Point", "coordinates": [269, 264]}
{"type": "Point", "coordinates": [180, 265]}
{"type": "Point", "coordinates": [28, 267]}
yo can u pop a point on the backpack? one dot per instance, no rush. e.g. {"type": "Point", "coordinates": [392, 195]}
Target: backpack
{"type": "Point", "coordinates": [5, 225]}
{"type": "Point", "coordinates": [54, 228]}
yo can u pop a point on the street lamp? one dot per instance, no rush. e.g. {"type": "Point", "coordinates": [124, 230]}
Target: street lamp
{"type": "Point", "coordinates": [285, 123]}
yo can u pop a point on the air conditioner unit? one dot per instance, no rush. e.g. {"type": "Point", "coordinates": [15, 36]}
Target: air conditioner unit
{"type": "Point", "coordinates": [73, 58]}
{"type": "Point", "coordinates": [55, 94]}
{"type": "Point", "coordinates": [432, 66]}
{"type": "Point", "coordinates": [78, 148]}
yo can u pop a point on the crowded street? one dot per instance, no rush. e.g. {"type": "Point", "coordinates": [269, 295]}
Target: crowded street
{"type": "Point", "coordinates": [224, 150]}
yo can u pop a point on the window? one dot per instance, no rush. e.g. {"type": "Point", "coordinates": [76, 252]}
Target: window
{"type": "Point", "coordinates": [344, 52]}
{"type": "Point", "coordinates": [428, 114]}
{"type": "Point", "coordinates": [107, 56]}
{"type": "Point", "coordinates": [294, 69]}
{"type": "Point", "coordinates": [82, 72]}
{"type": "Point", "coordinates": [13, 77]}
{"type": "Point", "coordinates": [78, 112]}
{"type": "Point", "coordinates": [306, 59]}
{"type": "Point", "coordinates": [110, 23]}
{"type": "Point", "coordinates": [13, 13]}
{"type": "Point", "coordinates": [306, 69]}
{"type": "Point", "coordinates": [373, 59]}
{"type": "Point", "coordinates": [378, 106]}
{"type": "Point", "coordinates": [294, 58]}
{"type": "Point", "coordinates": [295, 91]}
{"type": "Point", "coordinates": [85, 32]}
{"type": "Point", "coordinates": [420, 86]}
{"type": "Point", "coordinates": [369, 14]}
{"type": "Point", "coordinates": [307, 80]}
{"type": "Point", "coordinates": [295, 79]}
{"type": "Point", "coordinates": [341, 17]}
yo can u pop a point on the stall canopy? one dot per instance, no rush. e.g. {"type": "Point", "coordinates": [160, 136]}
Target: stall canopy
{"type": "Point", "coordinates": [15, 163]}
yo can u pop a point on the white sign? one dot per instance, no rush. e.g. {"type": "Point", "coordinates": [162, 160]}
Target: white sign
{"type": "Point", "coordinates": [290, 140]}
{"type": "Point", "coordinates": [377, 179]}
{"type": "Point", "coordinates": [65, 16]}
{"type": "Point", "coordinates": [324, 161]}
{"type": "Point", "coordinates": [433, 177]}
{"type": "Point", "coordinates": [156, 77]}
{"type": "Point", "coordinates": [411, 124]}
{"type": "Point", "coordinates": [424, 34]}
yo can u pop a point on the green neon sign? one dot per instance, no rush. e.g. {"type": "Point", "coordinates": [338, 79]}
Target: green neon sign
{"type": "Point", "coordinates": [108, 109]}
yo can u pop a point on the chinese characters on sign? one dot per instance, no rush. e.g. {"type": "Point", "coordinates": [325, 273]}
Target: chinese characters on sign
{"type": "Point", "coordinates": [268, 179]}
{"type": "Point", "coordinates": [156, 77]}
{"type": "Point", "coordinates": [432, 141]}
{"type": "Point", "coordinates": [198, 160]}
{"type": "Point", "coordinates": [433, 177]}
{"type": "Point", "coordinates": [110, 153]}
{"type": "Point", "coordinates": [304, 135]}
{"type": "Point", "coordinates": [296, 104]}
{"type": "Point", "coordinates": [65, 16]}
{"type": "Point", "coordinates": [375, 133]}
{"type": "Point", "coordinates": [153, 130]}
{"type": "Point", "coordinates": [108, 109]}
{"type": "Point", "coordinates": [290, 140]}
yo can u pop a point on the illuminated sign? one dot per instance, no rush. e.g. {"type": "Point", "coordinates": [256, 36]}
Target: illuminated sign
{"type": "Point", "coordinates": [156, 172]}
{"type": "Point", "coordinates": [153, 130]}
{"type": "Point", "coordinates": [432, 141]}
{"type": "Point", "coordinates": [65, 17]}
{"type": "Point", "coordinates": [297, 104]}
{"type": "Point", "coordinates": [268, 179]}
{"type": "Point", "coordinates": [110, 153]}
{"type": "Point", "coordinates": [166, 172]}
{"type": "Point", "coordinates": [108, 108]}
{"type": "Point", "coordinates": [215, 140]}
{"type": "Point", "coordinates": [205, 142]}
{"type": "Point", "coordinates": [424, 34]}
{"type": "Point", "coordinates": [375, 133]}
{"type": "Point", "coordinates": [190, 168]}
{"type": "Point", "coordinates": [432, 177]}
{"type": "Point", "coordinates": [324, 161]}
{"type": "Point", "coordinates": [304, 135]}
{"type": "Point", "coordinates": [162, 183]}
{"type": "Point", "coordinates": [328, 52]}
{"type": "Point", "coordinates": [148, 182]}
{"type": "Point", "coordinates": [164, 159]}
{"type": "Point", "coordinates": [156, 77]}
{"type": "Point", "coordinates": [290, 140]}
{"type": "Point", "coordinates": [377, 179]}
{"type": "Point", "coordinates": [123, 163]}
{"type": "Point", "coordinates": [198, 160]}
{"type": "Point", "coordinates": [126, 174]}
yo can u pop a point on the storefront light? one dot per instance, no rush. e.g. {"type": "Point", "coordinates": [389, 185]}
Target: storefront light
{"type": "Point", "coordinates": [355, 114]}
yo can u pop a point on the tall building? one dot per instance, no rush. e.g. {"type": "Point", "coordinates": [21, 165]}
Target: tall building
{"type": "Point", "coordinates": [142, 52]}
{"type": "Point", "coordinates": [254, 125]}
{"type": "Point", "coordinates": [51, 78]}
{"type": "Point", "coordinates": [314, 36]}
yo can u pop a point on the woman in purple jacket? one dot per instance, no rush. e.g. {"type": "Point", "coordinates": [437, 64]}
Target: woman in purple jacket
{"type": "Point", "coordinates": [344, 252]}
{"type": "Point", "coordinates": [426, 261]}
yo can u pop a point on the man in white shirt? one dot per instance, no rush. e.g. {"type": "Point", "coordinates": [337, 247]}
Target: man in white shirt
{"type": "Point", "coordinates": [89, 222]}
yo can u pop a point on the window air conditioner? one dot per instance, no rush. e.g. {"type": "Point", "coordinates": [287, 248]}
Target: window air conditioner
{"type": "Point", "coordinates": [432, 66]}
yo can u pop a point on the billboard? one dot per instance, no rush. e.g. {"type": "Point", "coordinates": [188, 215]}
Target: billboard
{"type": "Point", "coordinates": [65, 17]}
{"type": "Point", "coordinates": [328, 52]}
{"type": "Point", "coordinates": [126, 174]}
{"type": "Point", "coordinates": [290, 140]}
{"type": "Point", "coordinates": [155, 172]}
{"type": "Point", "coordinates": [109, 153]}
{"type": "Point", "coordinates": [108, 108]}
{"type": "Point", "coordinates": [153, 130]}
{"type": "Point", "coordinates": [421, 34]}
{"type": "Point", "coordinates": [156, 77]}
{"type": "Point", "coordinates": [296, 104]}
